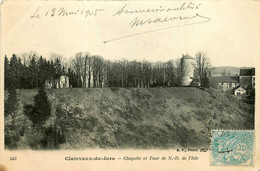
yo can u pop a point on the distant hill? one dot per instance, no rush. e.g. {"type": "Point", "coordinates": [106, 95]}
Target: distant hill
{"type": "Point", "coordinates": [136, 117]}
{"type": "Point", "coordinates": [233, 71]}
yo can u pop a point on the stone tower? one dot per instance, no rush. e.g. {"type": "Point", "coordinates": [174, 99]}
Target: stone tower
{"type": "Point", "coordinates": [187, 66]}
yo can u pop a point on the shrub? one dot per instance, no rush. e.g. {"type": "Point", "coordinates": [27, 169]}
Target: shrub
{"type": "Point", "coordinates": [12, 136]}
{"type": "Point", "coordinates": [41, 109]}
{"type": "Point", "coordinates": [202, 114]}
{"type": "Point", "coordinates": [11, 103]}
{"type": "Point", "coordinates": [78, 111]}
{"type": "Point", "coordinates": [34, 139]}
{"type": "Point", "coordinates": [178, 105]}
{"type": "Point", "coordinates": [91, 123]}
{"type": "Point", "coordinates": [52, 138]}
{"type": "Point", "coordinates": [114, 89]}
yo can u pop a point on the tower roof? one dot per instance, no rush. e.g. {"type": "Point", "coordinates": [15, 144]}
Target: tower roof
{"type": "Point", "coordinates": [187, 56]}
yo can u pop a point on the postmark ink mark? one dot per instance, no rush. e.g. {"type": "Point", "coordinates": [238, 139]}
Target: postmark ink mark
{"type": "Point", "coordinates": [232, 148]}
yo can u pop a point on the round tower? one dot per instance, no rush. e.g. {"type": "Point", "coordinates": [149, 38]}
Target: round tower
{"type": "Point", "coordinates": [187, 66]}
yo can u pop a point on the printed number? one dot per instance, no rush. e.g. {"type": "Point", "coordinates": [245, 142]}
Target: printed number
{"type": "Point", "coordinates": [13, 158]}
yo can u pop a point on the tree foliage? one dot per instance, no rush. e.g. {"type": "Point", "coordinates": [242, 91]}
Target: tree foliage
{"type": "Point", "coordinates": [52, 138]}
{"type": "Point", "coordinates": [28, 72]}
{"type": "Point", "coordinates": [85, 70]}
{"type": "Point", "coordinates": [11, 103]}
{"type": "Point", "coordinates": [41, 110]}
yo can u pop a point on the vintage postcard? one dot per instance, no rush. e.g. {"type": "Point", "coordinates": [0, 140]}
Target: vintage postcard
{"type": "Point", "coordinates": [129, 85]}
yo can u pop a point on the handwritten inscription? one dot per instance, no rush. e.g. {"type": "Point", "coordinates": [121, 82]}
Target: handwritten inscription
{"type": "Point", "coordinates": [139, 22]}
{"type": "Point", "coordinates": [184, 6]}
{"type": "Point", "coordinates": [168, 15]}
{"type": "Point", "coordinates": [184, 14]}
{"type": "Point", "coordinates": [62, 12]}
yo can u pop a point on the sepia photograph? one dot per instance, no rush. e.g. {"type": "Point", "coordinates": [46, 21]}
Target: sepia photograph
{"type": "Point", "coordinates": [124, 75]}
{"type": "Point", "coordinates": [90, 102]}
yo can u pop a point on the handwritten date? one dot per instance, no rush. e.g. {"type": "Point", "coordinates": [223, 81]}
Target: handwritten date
{"type": "Point", "coordinates": [62, 12]}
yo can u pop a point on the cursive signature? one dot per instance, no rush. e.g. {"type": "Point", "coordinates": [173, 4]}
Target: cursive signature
{"type": "Point", "coordinates": [139, 22]}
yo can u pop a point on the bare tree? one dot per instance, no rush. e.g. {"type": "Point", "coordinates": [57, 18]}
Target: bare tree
{"type": "Point", "coordinates": [77, 64]}
{"type": "Point", "coordinates": [98, 69]}
{"type": "Point", "coordinates": [179, 73]}
{"type": "Point", "coordinates": [202, 65]}
{"type": "Point", "coordinates": [27, 57]}
{"type": "Point", "coordinates": [169, 72]}
{"type": "Point", "coordinates": [63, 61]}
{"type": "Point", "coordinates": [146, 73]}
{"type": "Point", "coordinates": [101, 71]}
{"type": "Point", "coordinates": [123, 63]}
{"type": "Point", "coordinates": [89, 61]}
{"type": "Point", "coordinates": [85, 69]}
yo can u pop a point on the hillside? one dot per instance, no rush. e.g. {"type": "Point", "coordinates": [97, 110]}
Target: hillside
{"type": "Point", "coordinates": [136, 117]}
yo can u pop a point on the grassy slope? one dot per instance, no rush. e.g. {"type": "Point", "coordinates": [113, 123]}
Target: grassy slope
{"type": "Point", "coordinates": [140, 117]}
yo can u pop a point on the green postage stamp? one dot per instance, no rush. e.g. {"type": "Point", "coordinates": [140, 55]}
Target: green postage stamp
{"type": "Point", "coordinates": [232, 148]}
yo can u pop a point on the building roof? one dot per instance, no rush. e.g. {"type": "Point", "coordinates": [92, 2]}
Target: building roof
{"type": "Point", "coordinates": [224, 79]}
{"type": "Point", "coordinates": [239, 87]}
{"type": "Point", "coordinates": [247, 72]}
{"type": "Point", "coordinates": [187, 56]}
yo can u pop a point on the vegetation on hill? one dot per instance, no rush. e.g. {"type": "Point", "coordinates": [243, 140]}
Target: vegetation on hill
{"type": "Point", "coordinates": [28, 71]}
{"type": "Point", "coordinates": [139, 118]}
{"type": "Point", "coordinates": [41, 110]}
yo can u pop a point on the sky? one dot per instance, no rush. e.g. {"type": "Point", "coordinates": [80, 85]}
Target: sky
{"type": "Point", "coordinates": [230, 38]}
